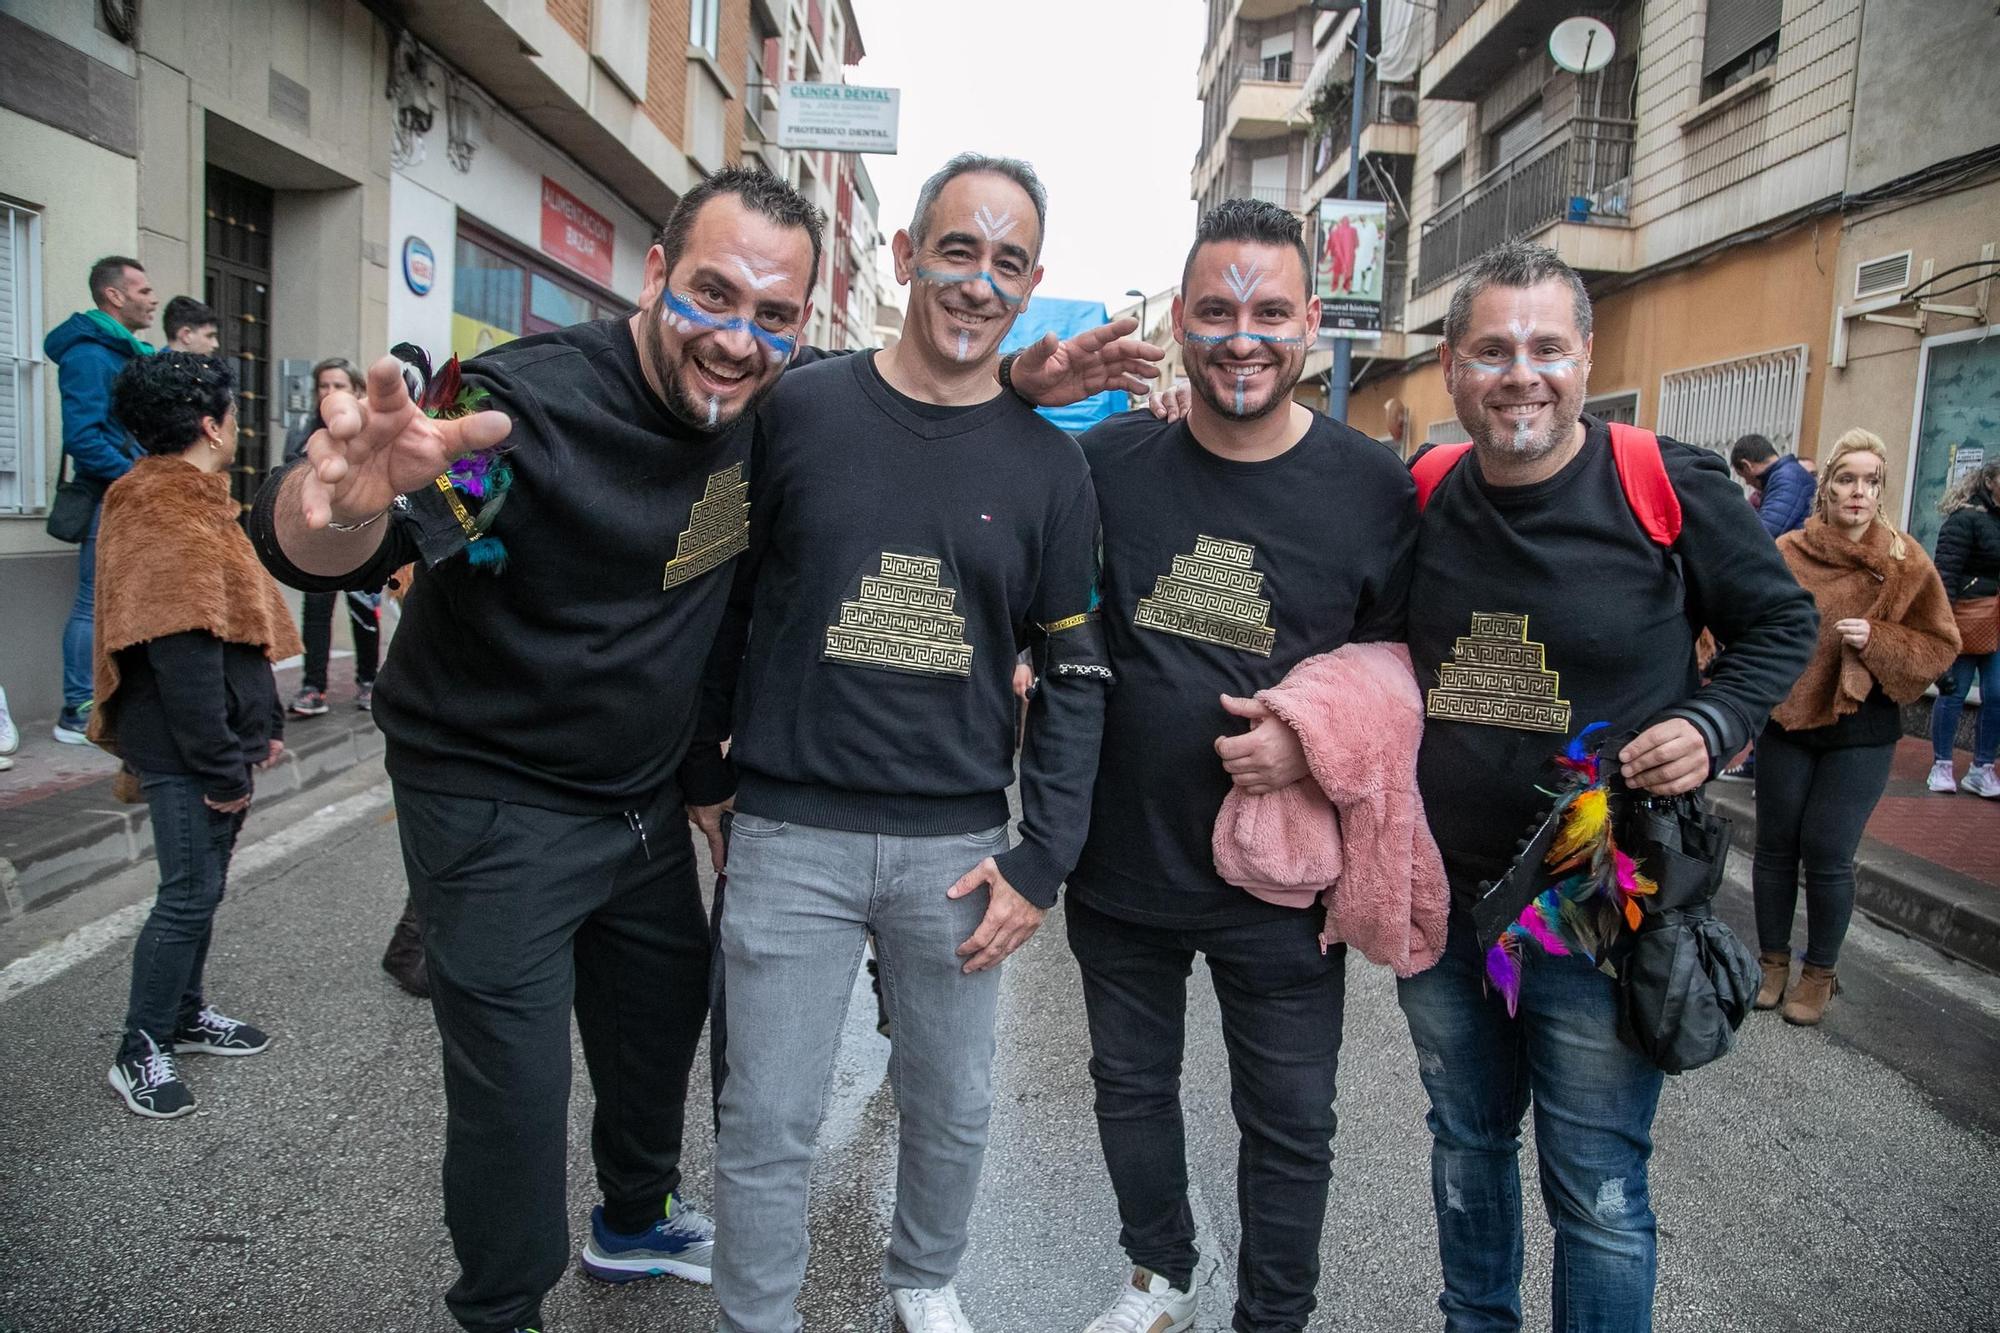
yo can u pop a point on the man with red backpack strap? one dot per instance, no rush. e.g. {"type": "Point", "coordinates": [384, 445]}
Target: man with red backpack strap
{"type": "Point", "coordinates": [1564, 568]}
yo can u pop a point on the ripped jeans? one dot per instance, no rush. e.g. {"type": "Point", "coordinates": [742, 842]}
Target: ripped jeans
{"type": "Point", "coordinates": [1594, 1099]}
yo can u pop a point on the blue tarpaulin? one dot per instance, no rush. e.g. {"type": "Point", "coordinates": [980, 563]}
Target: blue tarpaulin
{"type": "Point", "coordinates": [1067, 318]}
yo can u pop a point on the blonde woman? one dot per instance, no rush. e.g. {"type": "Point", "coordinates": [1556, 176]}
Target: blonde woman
{"type": "Point", "coordinates": [1886, 632]}
{"type": "Point", "coordinates": [1968, 560]}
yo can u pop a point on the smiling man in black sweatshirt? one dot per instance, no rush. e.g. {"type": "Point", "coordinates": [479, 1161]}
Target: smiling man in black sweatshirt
{"type": "Point", "coordinates": [911, 526]}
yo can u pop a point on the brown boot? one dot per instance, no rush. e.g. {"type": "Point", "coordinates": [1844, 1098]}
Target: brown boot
{"type": "Point", "coordinates": [1777, 965]}
{"type": "Point", "coordinates": [1816, 989]}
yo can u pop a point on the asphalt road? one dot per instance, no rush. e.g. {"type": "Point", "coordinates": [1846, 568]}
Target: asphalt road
{"type": "Point", "coordinates": [1839, 1179]}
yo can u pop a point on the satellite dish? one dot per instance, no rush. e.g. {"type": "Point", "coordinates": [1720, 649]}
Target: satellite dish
{"type": "Point", "coordinates": [1581, 45]}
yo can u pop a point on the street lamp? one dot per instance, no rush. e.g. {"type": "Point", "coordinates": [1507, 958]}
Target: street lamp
{"type": "Point", "coordinates": [1134, 291]}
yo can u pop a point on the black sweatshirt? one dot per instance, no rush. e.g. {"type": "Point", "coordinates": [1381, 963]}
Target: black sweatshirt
{"type": "Point", "coordinates": [1968, 549]}
{"type": "Point", "coordinates": [191, 704]}
{"type": "Point", "coordinates": [1538, 610]}
{"type": "Point", "coordinates": [571, 680]}
{"type": "Point", "coordinates": [901, 554]}
{"type": "Point", "coordinates": [1219, 578]}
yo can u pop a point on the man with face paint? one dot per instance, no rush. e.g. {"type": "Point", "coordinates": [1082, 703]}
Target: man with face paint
{"type": "Point", "coordinates": [911, 525]}
{"type": "Point", "coordinates": [1237, 543]}
{"type": "Point", "coordinates": [1532, 569]}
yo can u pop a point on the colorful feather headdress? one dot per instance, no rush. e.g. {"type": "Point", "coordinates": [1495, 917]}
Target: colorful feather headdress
{"type": "Point", "coordinates": [1592, 888]}
{"type": "Point", "coordinates": [481, 478]}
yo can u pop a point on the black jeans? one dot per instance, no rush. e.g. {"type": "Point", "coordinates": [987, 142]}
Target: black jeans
{"type": "Point", "coordinates": [364, 614]}
{"type": "Point", "coordinates": [193, 844]}
{"type": "Point", "coordinates": [1282, 1003]}
{"type": "Point", "coordinates": [1811, 807]}
{"type": "Point", "coordinates": [528, 914]}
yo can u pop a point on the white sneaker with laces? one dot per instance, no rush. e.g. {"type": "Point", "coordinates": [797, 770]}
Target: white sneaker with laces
{"type": "Point", "coordinates": [929, 1310]}
{"type": "Point", "coordinates": [1982, 781]}
{"type": "Point", "coordinates": [10, 735]}
{"type": "Point", "coordinates": [1942, 779]}
{"type": "Point", "coordinates": [1147, 1304]}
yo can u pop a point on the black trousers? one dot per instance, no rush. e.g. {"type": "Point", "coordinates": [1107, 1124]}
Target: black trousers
{"type": "Point", "coordinates": [1282, 1002]}
{"type": "Point", "coordinates": [528, 914]}
{"type": "Point", "coordinates": [1812, 806]}
{"type": "Point", "coordinates": [317, 629]}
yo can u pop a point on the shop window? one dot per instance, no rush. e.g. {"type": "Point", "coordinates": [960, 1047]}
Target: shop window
{"type": "Point", "coordinates": [21, 433]}
{"type": "Point", "coordinates": [1713, 406]}
{"type": "Point", "coordinates": [499, 294]}
{"type": "Point", "coordinates": [1741, 38]}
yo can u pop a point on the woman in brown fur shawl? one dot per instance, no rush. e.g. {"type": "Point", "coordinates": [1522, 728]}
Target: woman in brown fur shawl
{"type": "Point", "coordinates": [188, 624]}
{"type": "Point", "coordinates": [1886, 633]}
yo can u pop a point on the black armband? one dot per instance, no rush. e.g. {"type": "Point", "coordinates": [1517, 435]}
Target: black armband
{"type": "Point", "coordinates": [1074, 649]}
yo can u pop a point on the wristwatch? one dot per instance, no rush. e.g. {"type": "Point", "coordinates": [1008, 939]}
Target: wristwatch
{"type": "Point", "coordinates": [1007, 375]}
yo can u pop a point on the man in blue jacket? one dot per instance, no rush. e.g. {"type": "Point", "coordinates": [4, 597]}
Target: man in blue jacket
{"type": "Point", "coordinates": [90, 348]}
{"type": "Point", "coordinates": [1781, 480]}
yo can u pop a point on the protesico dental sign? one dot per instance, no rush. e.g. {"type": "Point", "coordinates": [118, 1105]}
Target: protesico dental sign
{"type": "Point", "coordinates": [838, 116]}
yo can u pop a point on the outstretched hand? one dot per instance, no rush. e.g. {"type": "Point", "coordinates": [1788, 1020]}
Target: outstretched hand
{"type": "Point", "coordinates": [1054, 372]}
{"type": "Point", "coordinates": [376, 448]}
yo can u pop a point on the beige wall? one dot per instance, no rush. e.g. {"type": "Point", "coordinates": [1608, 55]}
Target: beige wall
{"type": "Point", "coordinates": [1877, 388]}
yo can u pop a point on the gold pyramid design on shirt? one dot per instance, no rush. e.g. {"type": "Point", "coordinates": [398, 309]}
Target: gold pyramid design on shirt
{"type": "Point", "coordinates": [718, 528]}
{"type": "Point", "coordinates": [1212, 596]}
{"type": "Point", "coordinates": [1499, 677]}
{"type": "Point", "coordinates": [903, 621]}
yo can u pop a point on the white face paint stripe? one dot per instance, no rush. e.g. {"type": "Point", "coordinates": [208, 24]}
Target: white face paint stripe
{"type": "Point", "coordinates": [964, 345]}
{"type": "Point", "coordinates": [757, 278]}
{"type": "Point", "coordinates": [1242, 283]}
{"type": "Point", "coordinates": [714, 410]}
{"type": "Point", "coordinates": [994, 225]}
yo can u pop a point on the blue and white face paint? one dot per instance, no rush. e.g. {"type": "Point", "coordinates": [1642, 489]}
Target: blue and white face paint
{"type": "Point", "coordinates": [1517, 373]}
{"type": "Point", "coordinates": [1244, 327]}
{"type": "Point", "coordinates": [974, 269]}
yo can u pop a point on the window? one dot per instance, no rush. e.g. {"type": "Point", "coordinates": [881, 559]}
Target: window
{"type": "Point", "coordinates": [1622, 407]}
{"type": "Point", "coordinates": [1450, 180]}
{"type": "Point", "coordinates": [21, 482]}
{"type": "Point", "coordinates": [1275, 58]}
{"type": "Point", "coordinates": [1522, 131]}
{"type": "Point", "coordinates": [498, 295]}
{"type": "Point", "coordinates": [1713, 406]}
{"type": "Point", "coordinates": [704, 21]}
{"type": "Point", "coordinates": [1741, 38]}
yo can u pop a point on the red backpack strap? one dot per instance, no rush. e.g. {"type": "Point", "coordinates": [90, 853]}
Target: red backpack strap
{"type": "Point", "coordinates": [1429, 469]}
{"type": "Point", "coordinates": [1643, 474]}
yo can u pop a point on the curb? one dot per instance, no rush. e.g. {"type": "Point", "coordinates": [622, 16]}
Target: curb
{"type": "Point", "coordinates": [108, 836]}
{"type": "Point", "coordinates": [1903, 892]}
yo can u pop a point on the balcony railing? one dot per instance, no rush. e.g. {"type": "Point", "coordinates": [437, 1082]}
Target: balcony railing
{"type": "Point", "coordinates": [1278, 69]}
{"type": "Point", "coordinates": [1452, 15]}
{"type": "Point", "coordinates": [1582, 172]}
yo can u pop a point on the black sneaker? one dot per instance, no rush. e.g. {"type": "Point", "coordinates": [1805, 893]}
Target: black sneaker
{"type": "Point", "coordinates": [150, 1085]}
{"type": "Point", "coordinates": [211, 1033]}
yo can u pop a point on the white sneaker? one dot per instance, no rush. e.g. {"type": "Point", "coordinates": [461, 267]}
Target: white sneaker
{"type": "Point", "coordinates": [929, 1310]}
{"type": "Point", "coordinates": [1982, 781]}
{"type": "Point", "coordinates": [1147, 1304]}
{"type": "Point", "coordinates": [1942, 779]}
{"type": "Point", "coordinates": [10, 735]}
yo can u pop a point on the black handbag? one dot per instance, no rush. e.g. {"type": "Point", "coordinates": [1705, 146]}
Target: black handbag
{"type": "Point", "coordinates": [1685, 981]}
{"type": "Point", "coordinates": [74, 507]}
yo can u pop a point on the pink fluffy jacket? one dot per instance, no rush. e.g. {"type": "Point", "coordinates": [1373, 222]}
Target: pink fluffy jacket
{"type": "Point", "coordinates": [1354, 835]}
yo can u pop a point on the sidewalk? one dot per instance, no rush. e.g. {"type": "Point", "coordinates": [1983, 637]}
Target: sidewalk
{"type": "Point", "coordinates": [60, 828]}
{"type": "Point", "coordinates": [1929, 865]}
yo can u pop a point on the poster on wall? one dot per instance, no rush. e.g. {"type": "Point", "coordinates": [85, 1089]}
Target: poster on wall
{"type": "Point", "coordinates": [1348, 264]}
{"type": "Point", "coordinates": [575, 234]}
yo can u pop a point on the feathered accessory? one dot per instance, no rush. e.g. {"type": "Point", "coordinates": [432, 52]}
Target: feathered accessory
{"type": "Point", "coordinates": [481, 478]}
{"type": "Point", "coordinates": [1592, 889]}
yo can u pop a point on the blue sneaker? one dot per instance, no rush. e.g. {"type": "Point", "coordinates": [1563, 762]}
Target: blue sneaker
{"type": "Point", "coordinates": [681, 1244]}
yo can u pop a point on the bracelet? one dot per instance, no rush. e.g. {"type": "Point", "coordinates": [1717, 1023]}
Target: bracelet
{"type": "Point", "coordinates": [356, 527]}
{"type": "Point", "coordinates": [1007, 374]}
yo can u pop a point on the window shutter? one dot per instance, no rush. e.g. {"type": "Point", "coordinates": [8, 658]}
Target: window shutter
{"type": "Point", "coordinates": [1735, 27]}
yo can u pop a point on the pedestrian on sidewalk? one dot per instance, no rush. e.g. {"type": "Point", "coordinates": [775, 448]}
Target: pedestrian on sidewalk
{"type": "Point", "coordinates": [188, 625]}
{"type": "Point", "coordinates": [1968, 560]}
{"type": "Point", "coordinates": [364, 606]}
{"type": "Point", "coordinates": [1227, 510]}
{"type": "Point", "coordinates": [189, 326]}
{"type": "Point", "coordinates": [1539, 605]}
{"type": "Point", "coordinates": [1886, 633]}
{"type": "Point", "coordinates": [1783, 487]}
{"type": "Point", "coordinates": [89, 349]}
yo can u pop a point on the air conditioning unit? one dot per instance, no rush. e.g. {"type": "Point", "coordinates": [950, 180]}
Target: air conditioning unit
{"type": "Point", "coordinates": [1888, 275]}
{"type": "Point", "coordinates": [1403, 108]}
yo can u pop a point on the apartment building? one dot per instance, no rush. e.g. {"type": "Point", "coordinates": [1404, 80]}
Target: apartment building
{"type": "Point", "coordinates": [815, 41]}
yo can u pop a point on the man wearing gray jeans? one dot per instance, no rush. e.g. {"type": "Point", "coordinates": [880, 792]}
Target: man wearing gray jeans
{"type": "Point", "coordinates": [910, 527]}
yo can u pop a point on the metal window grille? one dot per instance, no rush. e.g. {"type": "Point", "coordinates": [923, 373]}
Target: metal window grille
{"type": "Point", "coordinates": [1448, 431]}
{"type": "Point", "coordinates": [1712, 406]}
{"type": "Point", "coordinates": [1623, 407]}
{"type": "Point", "coordinates": [21, 466]}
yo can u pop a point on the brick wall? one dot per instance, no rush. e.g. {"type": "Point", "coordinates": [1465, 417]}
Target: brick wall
{"type": "Point", "coordinates": [735, 58]}
{"type": "Point", "coordinates": [574, 16]}
{"type": "Point", "coordinates": [666, 68]}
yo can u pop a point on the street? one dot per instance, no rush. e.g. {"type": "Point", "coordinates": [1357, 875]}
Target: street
{"type": "Point", "coordinates": [1842, 1178]}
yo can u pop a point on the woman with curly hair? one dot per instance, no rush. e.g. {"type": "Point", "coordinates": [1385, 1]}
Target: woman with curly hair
{"type": "Point", "coordinates": [1968, 560]}
{"type": "Point", "coordinates": [1823, 761]}
{"type": "Point", "coordinates": [188, 624]}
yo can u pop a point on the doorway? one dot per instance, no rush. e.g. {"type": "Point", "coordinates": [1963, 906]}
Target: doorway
{"type": "Point", "coordinates": [237, 286]}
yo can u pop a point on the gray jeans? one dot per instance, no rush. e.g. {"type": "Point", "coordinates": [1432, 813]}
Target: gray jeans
{"type": "Point", "coordinates": [800, 907]}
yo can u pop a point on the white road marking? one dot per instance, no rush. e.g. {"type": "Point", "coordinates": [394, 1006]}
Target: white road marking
{"type": "Point", "coordinates": [52, 960]}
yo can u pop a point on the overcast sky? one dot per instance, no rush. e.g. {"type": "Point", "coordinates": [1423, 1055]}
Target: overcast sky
{"type": "Point", "coordinates": [1098, 94]}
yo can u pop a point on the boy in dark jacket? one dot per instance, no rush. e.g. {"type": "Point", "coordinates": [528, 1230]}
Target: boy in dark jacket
{"type": "Point", "coordinates": [89, 349]}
